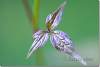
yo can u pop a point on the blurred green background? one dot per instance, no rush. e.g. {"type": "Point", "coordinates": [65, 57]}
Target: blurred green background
{"type": "Point", "coordinates": [80, 21]}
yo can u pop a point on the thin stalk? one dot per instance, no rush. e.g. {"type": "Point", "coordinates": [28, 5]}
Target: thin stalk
{"type": "Point", "coordinates": [39, 53]}
{"type": "Point", "coordinates": [34, 17]}
{"type": "Point", "coordinates": [28, 10]}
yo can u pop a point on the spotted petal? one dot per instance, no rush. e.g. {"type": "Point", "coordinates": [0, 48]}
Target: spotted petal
{"type": "Point", "coordinates": [40, 38]}
{"type": "Point", "coordinates": [54, 18]}
{"type": "Point", "coordinates": [63, 43]}
{"type": "Point", "coordinates": [60, 36]}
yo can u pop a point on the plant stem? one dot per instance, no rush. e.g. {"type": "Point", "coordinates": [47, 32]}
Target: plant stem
{"type": "Point", "coordinates": [39, 53]}
{"type": "Point", "coordinates": [36, 13]}
{"type": "Point", "coordinates": [28, 10]}
{"type": "Point", "coordinates": [34, 19]}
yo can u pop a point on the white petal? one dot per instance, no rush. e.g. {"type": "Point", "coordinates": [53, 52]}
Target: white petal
{"type": "Point", "coordinates": [54, 40]}
{"type": "Point", "coordinates": [55, 17]}
{"type": "Point", "coordinates": [64, 38]}
{"type": "Point", "coordinates": [59, 15]}
{"type": "Point", "coordinates": [48, 18]}
{"type": "Point", "coordinates": [63, 43]}
{"type": "Point", "coordinates": [37, 34]}
{"type": "Point", "coordinates": [38, 42]}
{"type": "Point", "coordinates": [78, 57]}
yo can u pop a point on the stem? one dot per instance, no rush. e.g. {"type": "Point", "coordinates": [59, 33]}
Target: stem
{"type": "Point", "coordinates": [36, 13]}
{"type": "Point", "coordinates": [34, 19]}
{"type": "Point", "coordinates": [28, 10]}
{"type": "Point", "coordinates": [39, 53]}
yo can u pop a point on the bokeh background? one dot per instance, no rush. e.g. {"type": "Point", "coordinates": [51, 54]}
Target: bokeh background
{"type": "Point", "coordinates": [80, 21]}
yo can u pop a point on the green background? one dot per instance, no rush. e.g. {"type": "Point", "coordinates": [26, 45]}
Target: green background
{"type": "Point", "coordinates": [80, 21]}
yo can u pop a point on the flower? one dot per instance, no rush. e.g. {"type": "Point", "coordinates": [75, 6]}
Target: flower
{"type": "Point", "coordinates": [60, 40]}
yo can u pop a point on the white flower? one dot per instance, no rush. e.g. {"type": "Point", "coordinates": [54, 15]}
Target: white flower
{"type": "Point", "coordinates": [60, 40]}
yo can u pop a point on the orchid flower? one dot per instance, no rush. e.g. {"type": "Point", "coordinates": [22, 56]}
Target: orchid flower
{"type": "Point", "coordinates": [60, 40]}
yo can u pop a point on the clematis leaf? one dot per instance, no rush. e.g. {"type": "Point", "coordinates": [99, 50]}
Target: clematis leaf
{"type": "Point", "coordinates": [63, 43]}
{"type": "Point", "coordinates": [40, 38]}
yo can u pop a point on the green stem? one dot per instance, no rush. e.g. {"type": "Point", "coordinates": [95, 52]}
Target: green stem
{"type": "Point", "coordinates": [34, 17]}
{"type": "Point", "coordinates": [28, 10]}
{"type": "Point", "coordinates": [35, 14]}
{"type": "Point", "coordinates": [39, 53]}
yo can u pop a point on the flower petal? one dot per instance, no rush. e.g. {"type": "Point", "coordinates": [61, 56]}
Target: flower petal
{"type": "Point", "coordinates": [38, 42]}
{"type": "Point", "coordinates": [63, 43]}
{"type": "Point", "coordinates": [78, 57]}
{"type": "Point", "coordinates": [53, 19]}
{"type": "Point", "coordinates": [37, 34]}
{"type": "Point", "coordinates": [64, 38]}
{"type": "Point", "coordinates": [48, 18]}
